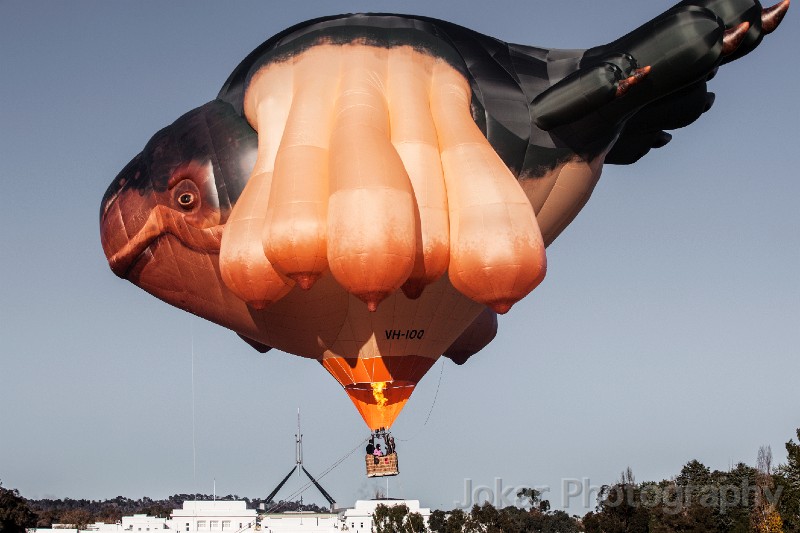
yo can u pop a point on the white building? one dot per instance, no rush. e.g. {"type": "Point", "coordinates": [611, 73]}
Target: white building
{"type": "Point", "coordinates": [359, 518]}
{"type": "Point", "coordinates": [300, 522]}
{"type": "Point", "coordinates": [137, 523]}
{"type": "Point", "coordinates": [235, 517]}
{"type": "Point", "coordinates": [213, 516]}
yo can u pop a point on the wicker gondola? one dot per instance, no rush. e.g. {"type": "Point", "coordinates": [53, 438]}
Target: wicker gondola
{"type": "Point", "coordinates": [380, 466]}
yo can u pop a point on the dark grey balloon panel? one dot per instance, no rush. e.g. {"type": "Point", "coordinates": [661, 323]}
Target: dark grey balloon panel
{"type": "Point", "coordinates": [540, 107]}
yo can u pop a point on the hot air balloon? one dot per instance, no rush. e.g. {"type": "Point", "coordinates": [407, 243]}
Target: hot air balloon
{"type": "Point", "coordinates": [369, 191]}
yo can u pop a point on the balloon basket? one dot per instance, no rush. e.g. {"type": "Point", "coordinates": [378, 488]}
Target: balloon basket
{"type": "Point", "coordinates": [381, 466]}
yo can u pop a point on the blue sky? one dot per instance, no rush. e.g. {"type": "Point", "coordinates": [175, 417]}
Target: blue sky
{"type": "Point", "coordinates": [666, 329]}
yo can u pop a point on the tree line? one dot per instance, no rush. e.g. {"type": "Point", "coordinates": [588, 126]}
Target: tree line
{"type": "Point", "coordinates": [18, 513]}
{"type": "Point", "coordinates": [745, 499]}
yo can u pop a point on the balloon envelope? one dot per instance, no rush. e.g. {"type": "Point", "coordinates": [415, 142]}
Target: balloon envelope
{"type": "Point", "coordinates": [353, 155]}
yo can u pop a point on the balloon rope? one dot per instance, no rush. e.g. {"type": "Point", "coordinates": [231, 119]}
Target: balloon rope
{"type": "Point", "coordinates": [194, 444]}
{"type": "Point", "coordinates": [433, 404]}
{"type": "Point", "coordinates": [402, 490]}
{"type": "Point", "coordinates": [305, 487]}
{"type": "Point", "coordinates": [435, 396]}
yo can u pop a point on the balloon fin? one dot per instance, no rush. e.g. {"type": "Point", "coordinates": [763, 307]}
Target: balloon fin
{"type": "Point", "coordinates": [259, 347]}
{"type": "Point", "coordinates": [474, 339]}
{"type": "Point", "coordinates": [771, 17]}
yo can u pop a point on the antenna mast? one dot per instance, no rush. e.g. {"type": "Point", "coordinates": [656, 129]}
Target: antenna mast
{"type": "Point", "coordinates": [298, 438]}
{"type": "Point", "coordinates": [298, 465]}
{"type": "Point", "coordinates": [298, 453]}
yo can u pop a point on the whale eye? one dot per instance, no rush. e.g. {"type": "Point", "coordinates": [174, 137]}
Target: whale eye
{"type": "Point", "coordinates": [186, 200]}
{"type": "Point", "coordinates": [186, 194]}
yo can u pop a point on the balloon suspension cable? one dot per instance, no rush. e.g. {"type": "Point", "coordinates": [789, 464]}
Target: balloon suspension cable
{"type": "Point", "coordinates": [433, 404]}
{"type": "Point", "coordinates": [194, 443]}
{"type": "Point", "coordinates": [402, 490]}
{"type": "Point", "coordinates": [310, 484]}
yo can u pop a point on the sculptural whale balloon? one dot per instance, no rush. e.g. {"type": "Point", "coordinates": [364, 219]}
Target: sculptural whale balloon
{"type": "Point", "coordinates": [369, 190]}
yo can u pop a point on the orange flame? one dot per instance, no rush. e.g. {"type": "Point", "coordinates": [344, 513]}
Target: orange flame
{"type": "Point", "coordinates": [377, 393]}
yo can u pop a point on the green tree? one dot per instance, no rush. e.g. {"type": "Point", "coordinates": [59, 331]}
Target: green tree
{"type": "Point", "coordinates": [438, 521]}
{"type": "Point", "coordinates": [78, 518]}
{"type": "Point", "coordinates": [737, 498]}
{"type": "Point", "coordinates": [397, 519]}
{"type": "Point", "coordinates": [160, 510]}
{"type": "Point", "coordinates": [15, 514]}
{"type": "Point", "coordinates": [110, 514]}
{"type": "Point", "coordinates": [619, 509]}
{"type": "Point", "coordinates": [559, 522]}
{"type": "Point", "coordinates": [787, 479]}
{"type": "Point", "coordinates": [483, 518]}
{"type": "Point", "coordinates": [533, 496]}
{"type": "Point", "coordinates": [451, 522]}
{"type": "Point", "coordinates": [47, 518]}
{"type": "Point", "coordinates": [488, 519]}
{"type": "Point", "coordinates": [694, 482]}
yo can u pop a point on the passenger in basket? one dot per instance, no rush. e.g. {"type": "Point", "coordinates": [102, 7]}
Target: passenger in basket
{"type": "Point", "coordinates": [390, 445]}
